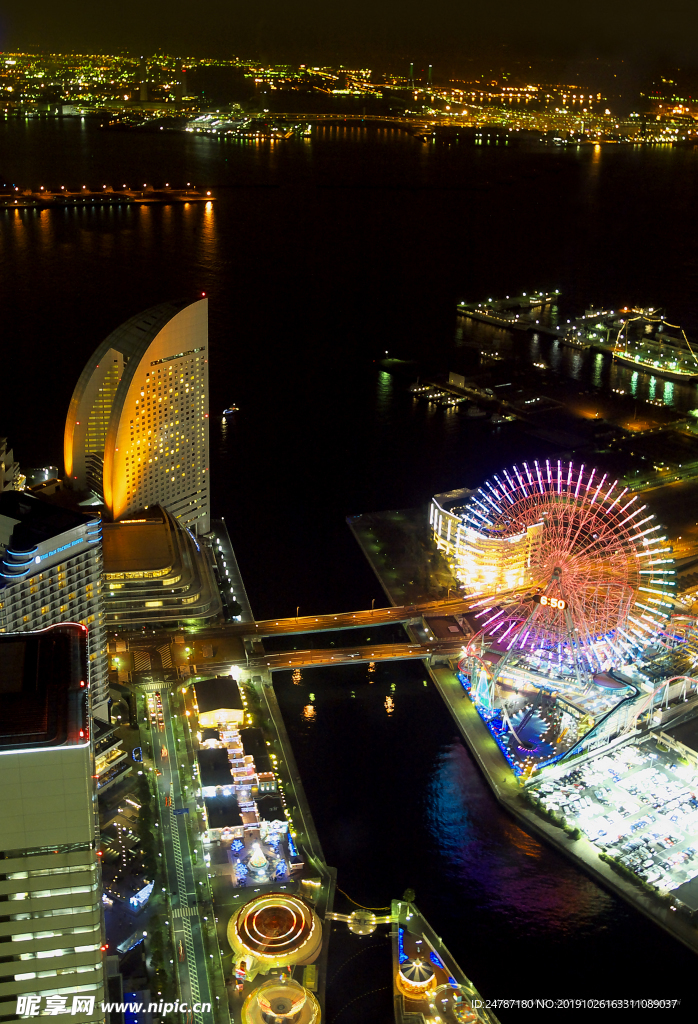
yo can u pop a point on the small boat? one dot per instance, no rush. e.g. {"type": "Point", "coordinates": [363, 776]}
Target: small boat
{"type": "Point", "coordinates": [231, 409]}
{"type": "Point", "coordinates": [475, 412]}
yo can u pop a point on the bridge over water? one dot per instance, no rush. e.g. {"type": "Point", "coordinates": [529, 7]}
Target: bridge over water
{"type": "Point", "coordinates": [341, 620]}
{"type": "Point", "coordinates": [344, 656]}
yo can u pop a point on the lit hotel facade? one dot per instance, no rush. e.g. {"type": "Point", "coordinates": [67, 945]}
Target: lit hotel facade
{"type": "Point", "coordinates": [137, 431]}
{"type": "Point", "coordinates": [483, 564]}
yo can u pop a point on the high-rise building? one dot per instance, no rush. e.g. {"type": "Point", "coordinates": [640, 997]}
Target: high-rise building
{"type": "Point", "coordinates": [11, 478]}
{"type": "Point", "coordinates": [137, 427]}
{"type": "Point", "coordinates": [51, 572]}
{"type": "Point", "coordinates": [50, 888]}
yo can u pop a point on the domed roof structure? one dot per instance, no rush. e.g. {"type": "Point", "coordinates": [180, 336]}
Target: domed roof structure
{"type": "Point", "coordinates": [415, 977]}
{"type": "Point", "coordinates": [276, 929]}
{"type": "Point", "coordinates": [281, 1002]}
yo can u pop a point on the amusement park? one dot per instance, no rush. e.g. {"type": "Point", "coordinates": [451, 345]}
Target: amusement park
{"type": "Point", "coordinates": [581, 660]}
{"type": "Point", "coordinates": [577, 635]}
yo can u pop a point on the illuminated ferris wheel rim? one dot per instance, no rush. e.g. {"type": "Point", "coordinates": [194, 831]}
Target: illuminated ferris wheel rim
{"type": "Point", "coordinates": [601, 559]}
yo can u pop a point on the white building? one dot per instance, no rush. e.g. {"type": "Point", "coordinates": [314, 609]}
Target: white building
{"type": "Point", "coordinates": [483, 564]}
{"type": "Point", "coordinates": [51, 922]}
{"type": "Point", "coordinates": [51, 572]}
{"type": "Point", "coordinates": [137, 429]}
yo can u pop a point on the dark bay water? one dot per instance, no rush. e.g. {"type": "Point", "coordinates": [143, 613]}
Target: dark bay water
{"type": "Point", "coordinates": [319, 256]}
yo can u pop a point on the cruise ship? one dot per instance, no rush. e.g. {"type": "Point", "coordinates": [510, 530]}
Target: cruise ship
{"type": "Point", "coordinates": [638, 337]}
{"type": "Point", "coordinates": [644, 340]}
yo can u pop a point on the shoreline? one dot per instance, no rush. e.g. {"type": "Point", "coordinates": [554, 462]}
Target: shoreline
{"type": "Point", "coordinates": [508, 792]}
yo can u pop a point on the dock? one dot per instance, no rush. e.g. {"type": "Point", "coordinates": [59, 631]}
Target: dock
{"type": "Point", "coordinates": [503, 312]}
{"type": "Point", "coordinates": [426, 978]}
{"type": "Point", "coordinates": [106, 197]}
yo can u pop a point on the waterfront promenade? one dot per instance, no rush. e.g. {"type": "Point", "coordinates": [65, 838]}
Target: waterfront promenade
{"type": "Point", "coordinates": [509, 792]}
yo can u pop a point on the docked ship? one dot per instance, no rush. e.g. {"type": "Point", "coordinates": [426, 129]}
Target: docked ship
{"type": "Point", "coordinates": [638, 337]}
{"type": "Point", "coordinates": [647, 342]}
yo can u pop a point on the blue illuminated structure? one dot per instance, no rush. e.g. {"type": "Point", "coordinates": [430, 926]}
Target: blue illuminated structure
{"type": "Point", "coordinates": [401, 945]}
{"type": "Point", "coordinates": [51, 572]}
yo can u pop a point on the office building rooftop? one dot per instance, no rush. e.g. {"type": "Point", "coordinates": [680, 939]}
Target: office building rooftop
{"type": "Point", "coordinates": [142, 543]}
{"type": "Point", "coordinates": [26, 521]}
{"type": "Point", "coordinates": [43, 688]}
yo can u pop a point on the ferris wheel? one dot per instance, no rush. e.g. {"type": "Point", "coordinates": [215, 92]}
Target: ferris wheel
{"type": "Point", "coordinates": [596, 588]}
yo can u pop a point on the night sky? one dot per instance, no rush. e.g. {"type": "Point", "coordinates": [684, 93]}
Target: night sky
{"type": "Point", "coordinates": [452, 34]}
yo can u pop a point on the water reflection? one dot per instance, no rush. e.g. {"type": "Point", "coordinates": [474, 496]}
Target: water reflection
{"type": "Point", "coordinates": [503, 866]}
{"type": "Point", "coordinates": [596, 370]}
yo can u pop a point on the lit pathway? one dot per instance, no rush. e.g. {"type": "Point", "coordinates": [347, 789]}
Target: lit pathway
{"type": "Point", "coordinates": [193, 975]}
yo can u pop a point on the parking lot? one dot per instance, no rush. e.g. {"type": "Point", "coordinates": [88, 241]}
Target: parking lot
{"type": "Point", "coordinates": [640, 804]}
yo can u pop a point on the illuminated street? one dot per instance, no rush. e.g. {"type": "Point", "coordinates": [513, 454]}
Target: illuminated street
{"type": "Point", "coordinates": [187, 894]}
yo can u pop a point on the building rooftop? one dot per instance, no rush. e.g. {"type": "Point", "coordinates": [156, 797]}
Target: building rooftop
{"type": "Point", "coordinates": [43, 691]}
{"type": "Point", "coordinates": [222, 692]}
{"type": "Point", "coordinates": [270, 808]}
{"type": "Point", "coordinates": [254, 744]}
{"type": "Point", "coordinates": [214, 767]}
{"type": "Point", "coordinates": [222, 811]}
{"type": "Point", "coordinates": [35, 520]}
{"type": "Point", "coordinates": [141, 543]}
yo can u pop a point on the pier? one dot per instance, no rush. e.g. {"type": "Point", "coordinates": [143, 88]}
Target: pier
{"type": "Point", "coordinates": [42, 199]}
{"type": "Point", "coordinates": [500, 312]}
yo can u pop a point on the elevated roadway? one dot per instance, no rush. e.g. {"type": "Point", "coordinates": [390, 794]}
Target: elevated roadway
{"type": "Point", "coordinates": [345, 656]}
{"type": "Point", "coordinates": [298, 624]}
{"type": "Point", "coordinates": [340, 620]}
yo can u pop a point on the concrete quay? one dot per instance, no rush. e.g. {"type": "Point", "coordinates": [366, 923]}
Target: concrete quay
{"type": "Point", "coordinates": [509, 792]}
